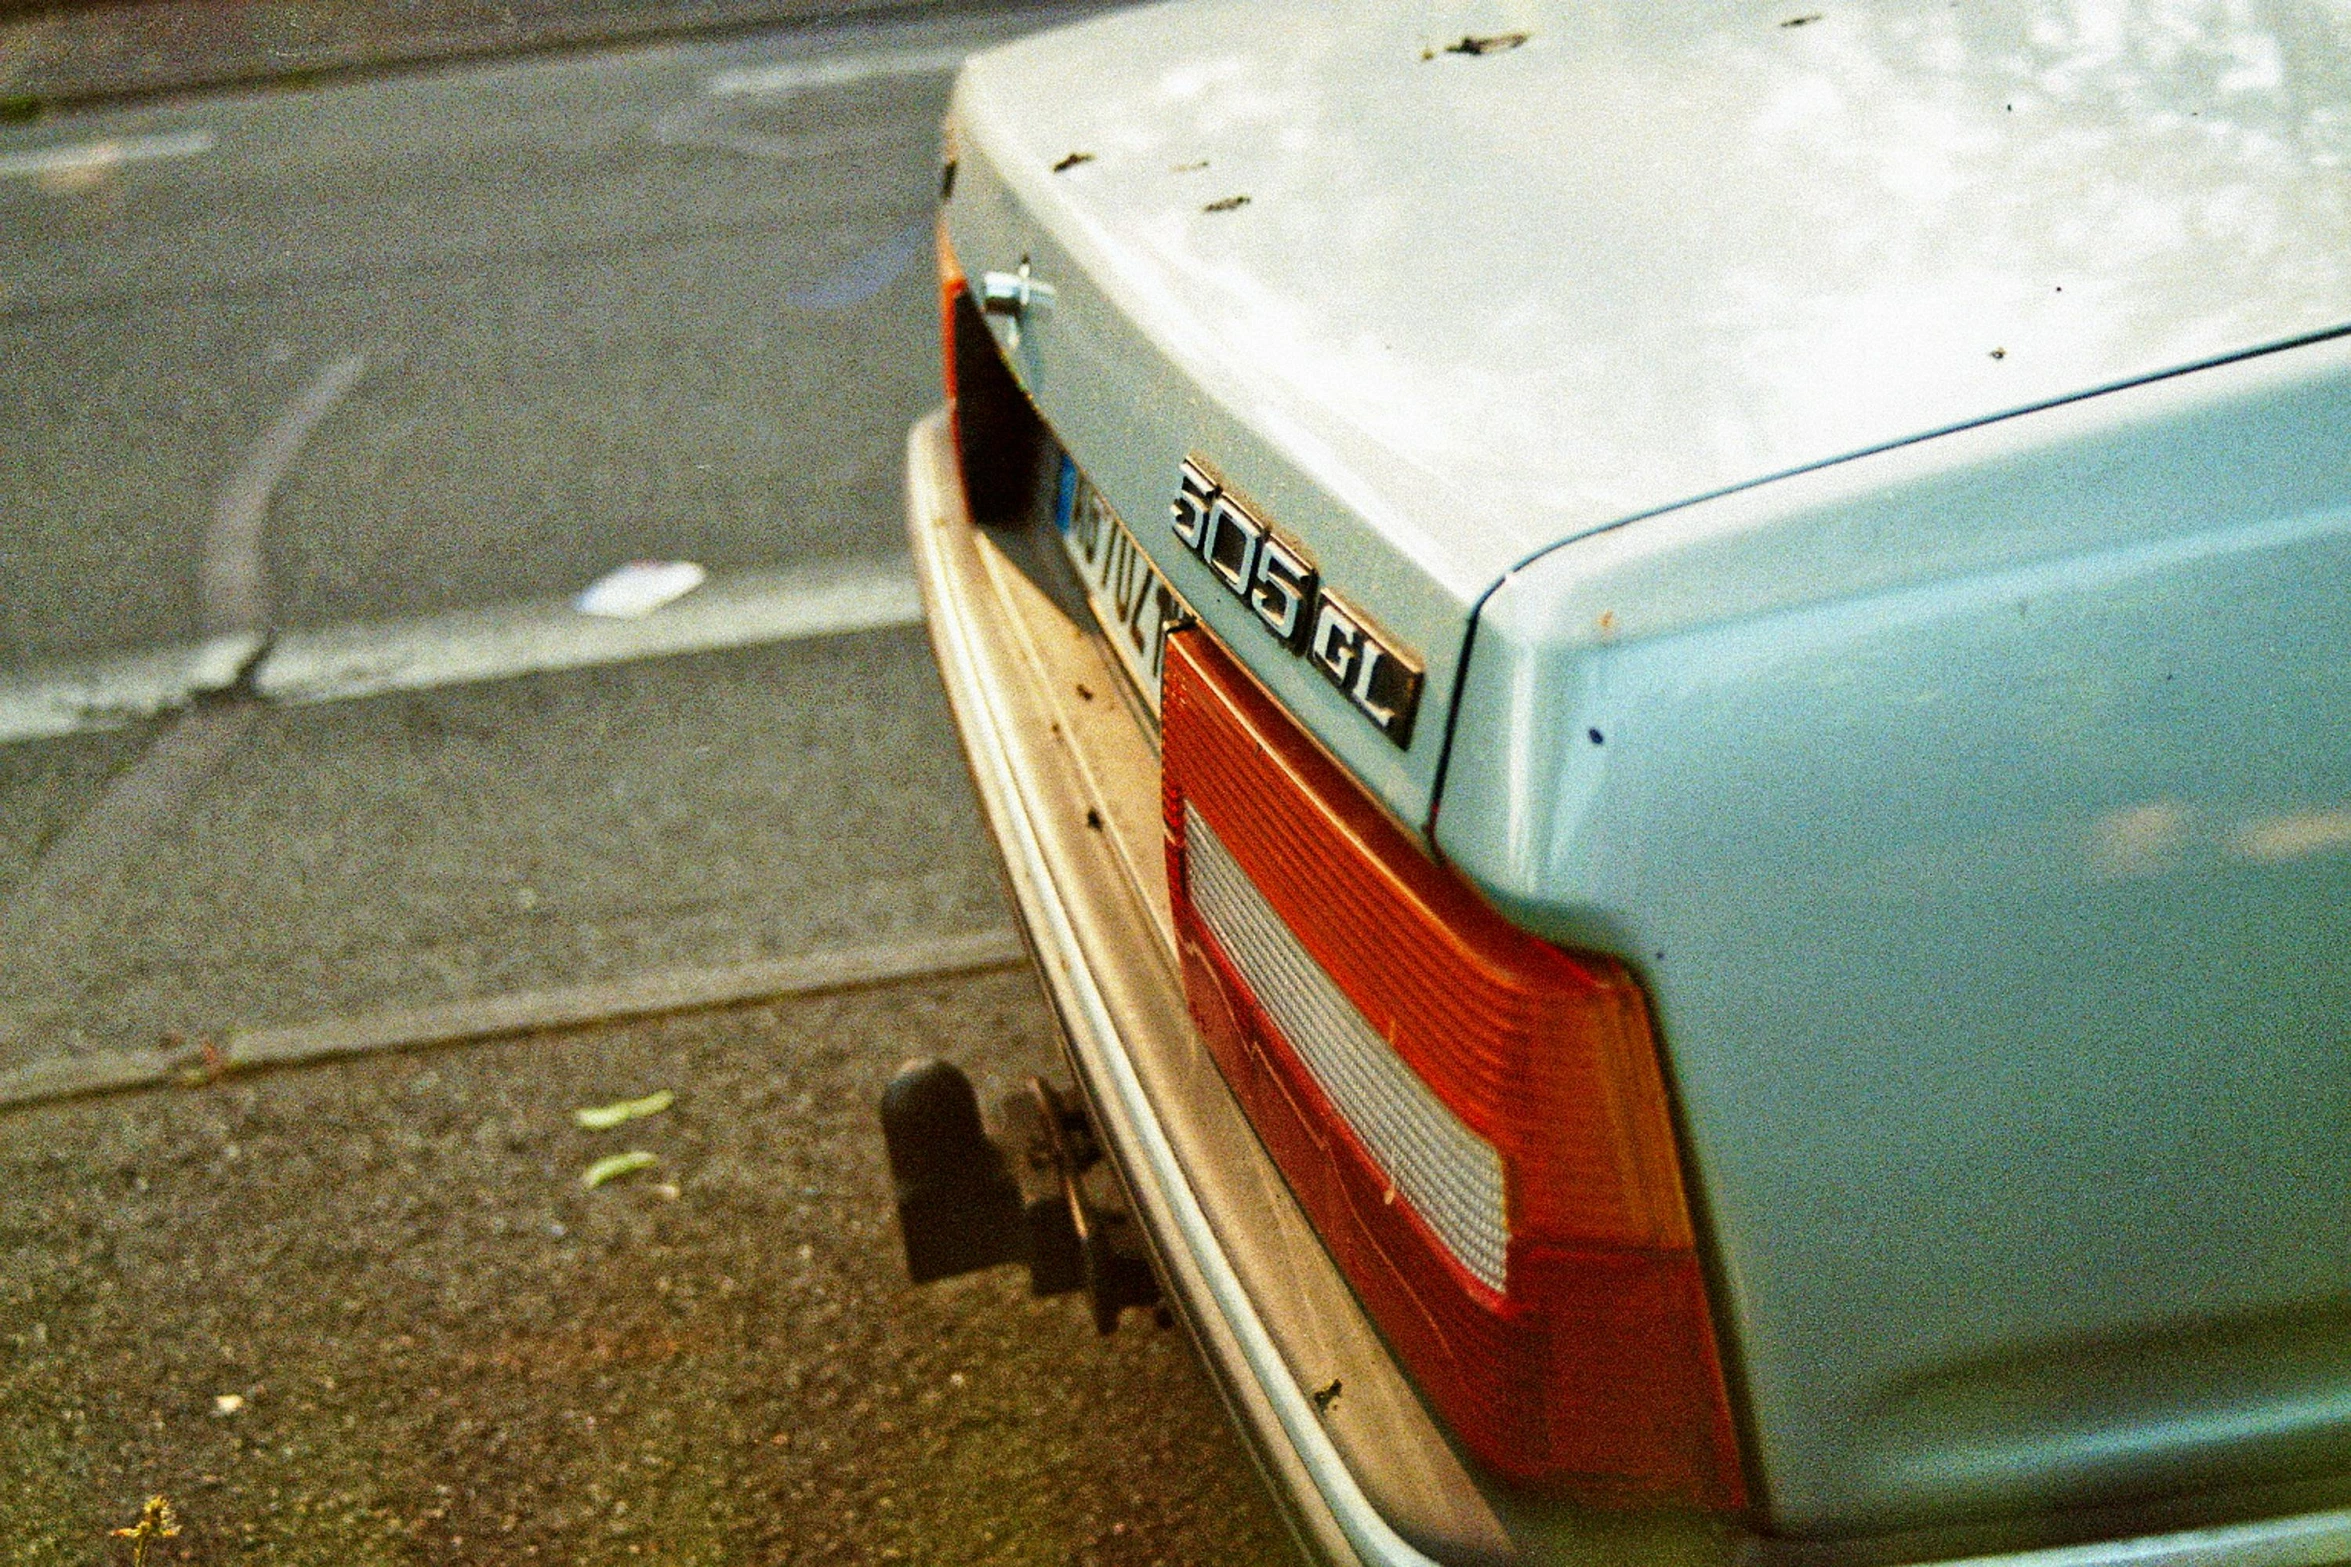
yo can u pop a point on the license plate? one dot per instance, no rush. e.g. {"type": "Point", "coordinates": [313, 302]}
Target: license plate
{"type": "Point", "coordinates": [1132, 602]}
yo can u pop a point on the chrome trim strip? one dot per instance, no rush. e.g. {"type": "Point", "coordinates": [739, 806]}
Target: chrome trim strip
{"type": "Point", "coordinates": [1094, 1037]}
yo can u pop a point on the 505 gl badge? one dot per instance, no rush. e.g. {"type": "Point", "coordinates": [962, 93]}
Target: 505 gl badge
{"type": "Point", "coordinates": [1278, 582]}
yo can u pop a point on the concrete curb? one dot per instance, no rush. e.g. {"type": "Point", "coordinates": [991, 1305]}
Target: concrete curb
{"type": "Point", "coordinates": [486, 1018]}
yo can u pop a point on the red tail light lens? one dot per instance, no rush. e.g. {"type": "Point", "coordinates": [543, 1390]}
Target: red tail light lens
{"type": "Point", "coordinates": [1474, 1119]}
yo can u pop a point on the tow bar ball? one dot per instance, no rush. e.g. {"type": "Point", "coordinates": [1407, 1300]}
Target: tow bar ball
{"type": "Point", "coordinates": [966, 1201]}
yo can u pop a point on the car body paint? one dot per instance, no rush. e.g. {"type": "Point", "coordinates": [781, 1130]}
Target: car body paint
{"type": "Point", "coordinates": [1979, 815]}
{"type": "Point", "coordinates": [1477, 305]}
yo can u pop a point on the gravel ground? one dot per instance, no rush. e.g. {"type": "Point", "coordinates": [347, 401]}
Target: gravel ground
{"type": "Point", "coordinates": [448, 1349]}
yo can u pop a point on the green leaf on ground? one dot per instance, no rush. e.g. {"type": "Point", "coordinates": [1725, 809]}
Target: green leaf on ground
{"type": "Point", "coordinates": [598, 1118]}
{"type": "Point", "coordinates": [615, 1165]}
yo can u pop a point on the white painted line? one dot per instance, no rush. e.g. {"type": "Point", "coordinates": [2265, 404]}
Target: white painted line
{"type": "Point", "coordinates": [46, 917]}
{"type": "Point", "coordinates": [736, 611]}
{"type": "Point", "coordinates": [96, 157]}
{"type": "Point", "coordinates": [110, 693]}
{"type": "Point", "coordinates": [739, 610]}
{"type": "Point", "coordinates": [793, 76]}
{"type": "Point", "coordinates": [231, 585]}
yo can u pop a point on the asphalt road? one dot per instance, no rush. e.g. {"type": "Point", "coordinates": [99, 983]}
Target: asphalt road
{"type": "Point", "coordinates": [350, 358]}
{"type": "Point", "coordinates": [369, 1314]}
{"type": "Point", "coordinates": [602, 310]}
{"type": "Point", "coordinates": [322, 402]}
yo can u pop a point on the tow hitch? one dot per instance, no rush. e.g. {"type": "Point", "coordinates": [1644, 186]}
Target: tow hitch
{"type": "Point", "coordinates": [967, 1201]}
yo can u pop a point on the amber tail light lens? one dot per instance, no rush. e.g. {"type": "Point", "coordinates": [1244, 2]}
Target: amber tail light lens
{"type": "Point", "coordinates": [1475, 1120]}
{"type": "Point", "coordinates": [950, 291]}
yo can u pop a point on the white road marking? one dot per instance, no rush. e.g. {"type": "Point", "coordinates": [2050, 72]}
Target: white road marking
{"type": "Point", "coordinates": [230, 585]}
{"type": "Point", "coordinates": [739, 610]}
{"type": "Point", "coordinates": [459, 649]}
{"type": "Point", "coordinates": [96, 157]}
{"type": "Point", "coordinates": [111, 693]}
{"type": "Point", "coordinates": [793, 76]}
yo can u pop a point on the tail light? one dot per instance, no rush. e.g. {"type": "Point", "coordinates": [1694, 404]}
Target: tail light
{"type": "Point", "coordinates": [951, 283]}
{"type": "Point", "coordinates": [1475, 1120]}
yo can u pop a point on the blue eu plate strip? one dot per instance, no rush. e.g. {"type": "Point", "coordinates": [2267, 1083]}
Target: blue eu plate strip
{"type": "Point", "coordinates": [1065, 496]}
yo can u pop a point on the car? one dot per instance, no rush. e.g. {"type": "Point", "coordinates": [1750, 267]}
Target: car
{"type": "Point", "coordinates": [1665, 692]}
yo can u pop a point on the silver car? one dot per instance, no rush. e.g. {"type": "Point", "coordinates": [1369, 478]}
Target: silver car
{"type": "Point", "coordinates": [1665, 689]}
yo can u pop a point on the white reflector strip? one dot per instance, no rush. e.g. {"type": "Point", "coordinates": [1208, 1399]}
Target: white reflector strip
{"type": "Point", "coordinates": [1450, 1175]}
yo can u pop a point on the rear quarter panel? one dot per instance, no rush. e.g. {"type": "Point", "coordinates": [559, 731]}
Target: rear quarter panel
{"type": "Point", "coordinates": [1979, 813]}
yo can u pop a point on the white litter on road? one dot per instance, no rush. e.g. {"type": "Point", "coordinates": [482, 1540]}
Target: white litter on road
{"type": "Point", "coordinates": [96, 157]}
{"type": "Point", "coordinates": [737, 610]}
{"type": "Point", "coordinates": [639, 588]}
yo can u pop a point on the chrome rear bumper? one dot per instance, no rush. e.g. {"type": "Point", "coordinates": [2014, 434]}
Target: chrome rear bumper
{"type": "Point", "coordinates": [1251, 1281]}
